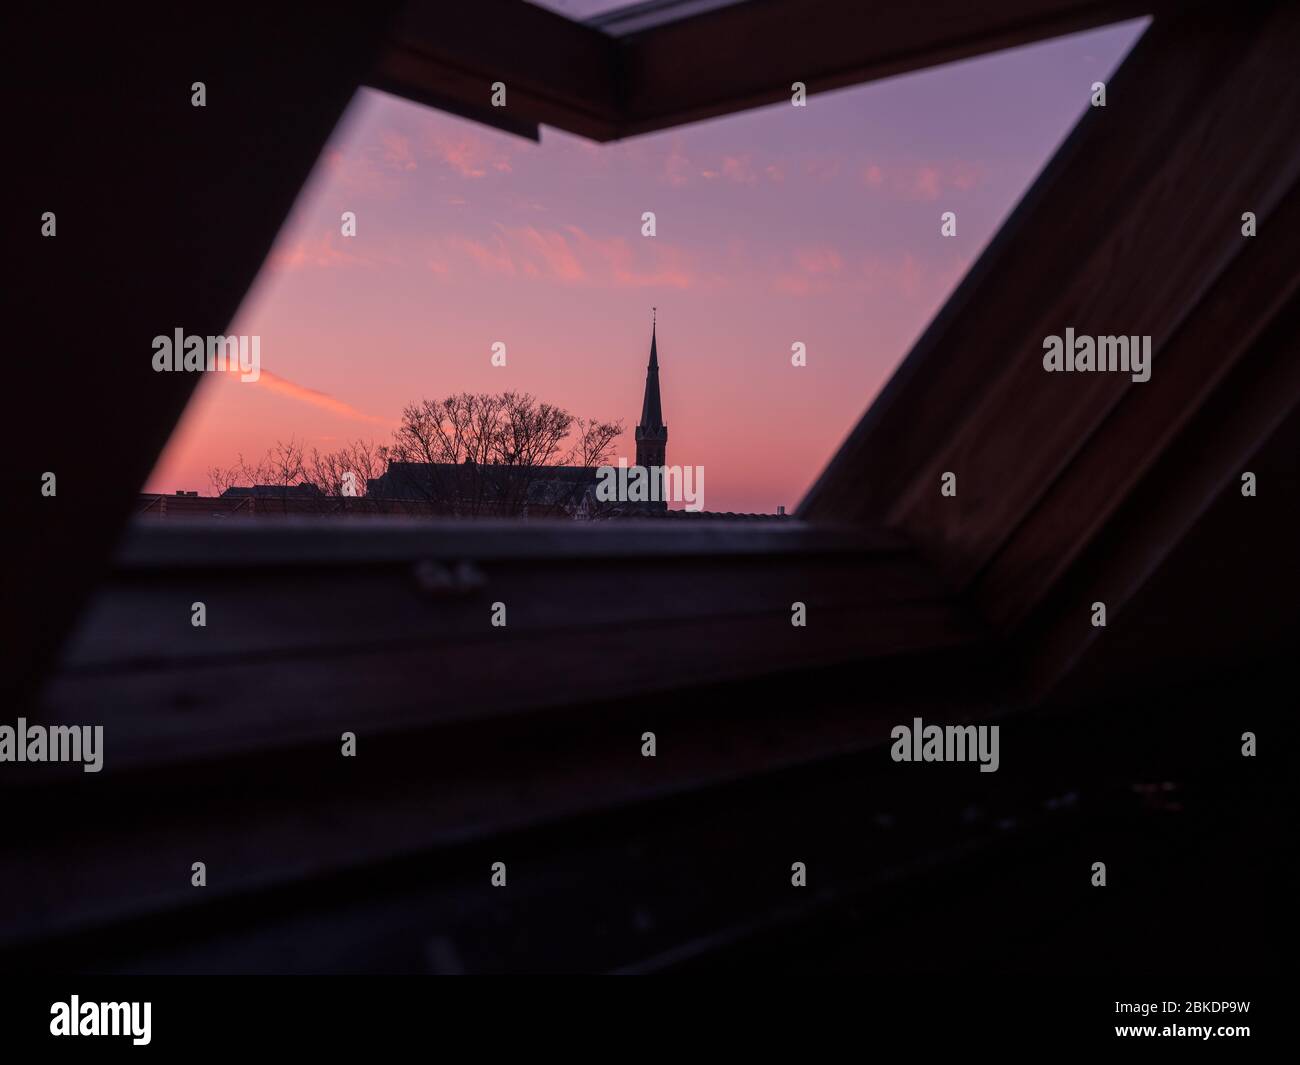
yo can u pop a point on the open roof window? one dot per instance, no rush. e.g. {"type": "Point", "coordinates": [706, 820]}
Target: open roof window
{"type": "Point", "coordinates": [791, 256]}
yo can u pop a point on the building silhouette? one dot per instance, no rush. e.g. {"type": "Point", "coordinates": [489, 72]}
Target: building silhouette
{"type": "Point", "coordinates": [469, 489]}
{"type": "Point", "coordinates": [651, 432]}
{"type": "Point", "coordinates": [504, 489]}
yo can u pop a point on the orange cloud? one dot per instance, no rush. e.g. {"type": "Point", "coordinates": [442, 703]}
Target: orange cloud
{"type": "Point", "coordinates": [572, 257]}
{"type": "Point", "coordinates": [493, 260]}
{"type": "Point", "coordinates": [821, 259]}
{"type": "Point", "coordinates": [924, 181]}
{"type": "Point", "coordinates": [357, 174]}
{"type": "Point", "coordinates": [792, 285]}
{"type": "Point", "coordinates": [553, 251]}
{"type": "Point", "coordinates": [909, 279]}
{"type": "Point", "coordinates": [734, 168]}
{"type": "Point", "coordinates": [469, 154]}
{"type": "Point", "coordinates": [677, 167]}
{"type": "Point", "coordinates": [966, 175]}
{"type": "Point", "coordinates": [821, 269]}
{"type": "Point", "coordinates": [322, 253]}
{"type": "Point", "coordinates": [822, 169]}
{"type": "Point", "coordinates": [396, 150]}
{"type": "Point", "coordinates": [614, 258]}
{"type": "Point", "coordinates": [316, 398]}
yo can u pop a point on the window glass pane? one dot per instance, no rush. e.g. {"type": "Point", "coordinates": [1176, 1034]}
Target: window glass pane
{"type": "Point", "coordinates": [817, 226]}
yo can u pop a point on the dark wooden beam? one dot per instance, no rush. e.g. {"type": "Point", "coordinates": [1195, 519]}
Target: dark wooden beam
{"type": "Point", "coordinates": [288, 815]}
{"type": "Point", "coordinates": [164, 213]}
{"type": "Point", "coordinates": [312, 627]}
{"type": "Point", "coordinates": [747, 55]}
{"type": "Point", "coordinates": [1225, 597]}
{"type": "Point", "coordinates": [1133, 228]}
{"type": "Point", "coordinates": [606, 86]}
{"type": "Point", "coordinates": [1201, 466]}
{"type": "Point", "coordinates": [555, 71]}
{"type": "Point", "coordinates": [1222, 333]}
{"type": "Point", "coordinates": [327, 870]}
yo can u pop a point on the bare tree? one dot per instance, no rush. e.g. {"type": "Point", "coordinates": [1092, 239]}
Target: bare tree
{"type": "Point", "coordinates": [223, 477]}
{"type": "Point", "coordinates": [469, 453]}
{"type": "Point", "coordinates": [593, 443]}
{"type": "Point", "coordinates": [477, 452]}
{"type": "Point", "coordinates": [363, 459]}
{"type": "Point", "coordinates": [285, 464]}
{"type": "Point", "coordinates": [531, 433]}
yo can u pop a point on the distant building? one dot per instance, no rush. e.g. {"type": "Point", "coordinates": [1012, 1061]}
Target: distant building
{"type": "Point", "coordinates": [492, 489]}
{"type": "Point", "coordinates": [302, 490]}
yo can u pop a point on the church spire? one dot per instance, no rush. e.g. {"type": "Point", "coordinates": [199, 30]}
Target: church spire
{"type": "Point", "coordinates": [651, 433]}
{"type": "Point", "coordinates": [652, 416]}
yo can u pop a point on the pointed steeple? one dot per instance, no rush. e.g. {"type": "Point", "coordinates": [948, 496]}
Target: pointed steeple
{"type": "Point", "coordinates": [652, 416]}
{"type": "Point", "coordinates": [651, 433]}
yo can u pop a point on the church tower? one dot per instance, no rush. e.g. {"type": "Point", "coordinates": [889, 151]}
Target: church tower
{"type": "Point", "coordinates": [651, 433]}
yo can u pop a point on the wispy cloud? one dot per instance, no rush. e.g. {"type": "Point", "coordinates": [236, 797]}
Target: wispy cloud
{"type": "Point", "coordinates": [923, 181]}
{"type": "Point", "coordinates": [319, 252]}
{"type": "Point", "coordinates": [316, 398]}
{"type": "Point", "coordinates": [396, 150]}
{"type": "Point", "coordinates": [468, 154]}
{"type": "Point", "coordinates": [738, 169]}
{"type": "Point", "coordinates": [570, 256]}
{"type": "Point", "coordinates": [383, 166]}
{"type": "Point", "coordinates": [360, 175]}
{"type": "Point", "coordinates": [491, 256]}
{"type": "Point", "coordinates": [677, 164]}
{"type": "Point", "coordinates": [822, 268]}
{"type": "Point", "coordinates": [819, 259]}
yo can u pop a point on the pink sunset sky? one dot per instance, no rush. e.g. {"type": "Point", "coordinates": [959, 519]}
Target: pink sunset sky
{"type": "Point", "coordinates": [817, 224]}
